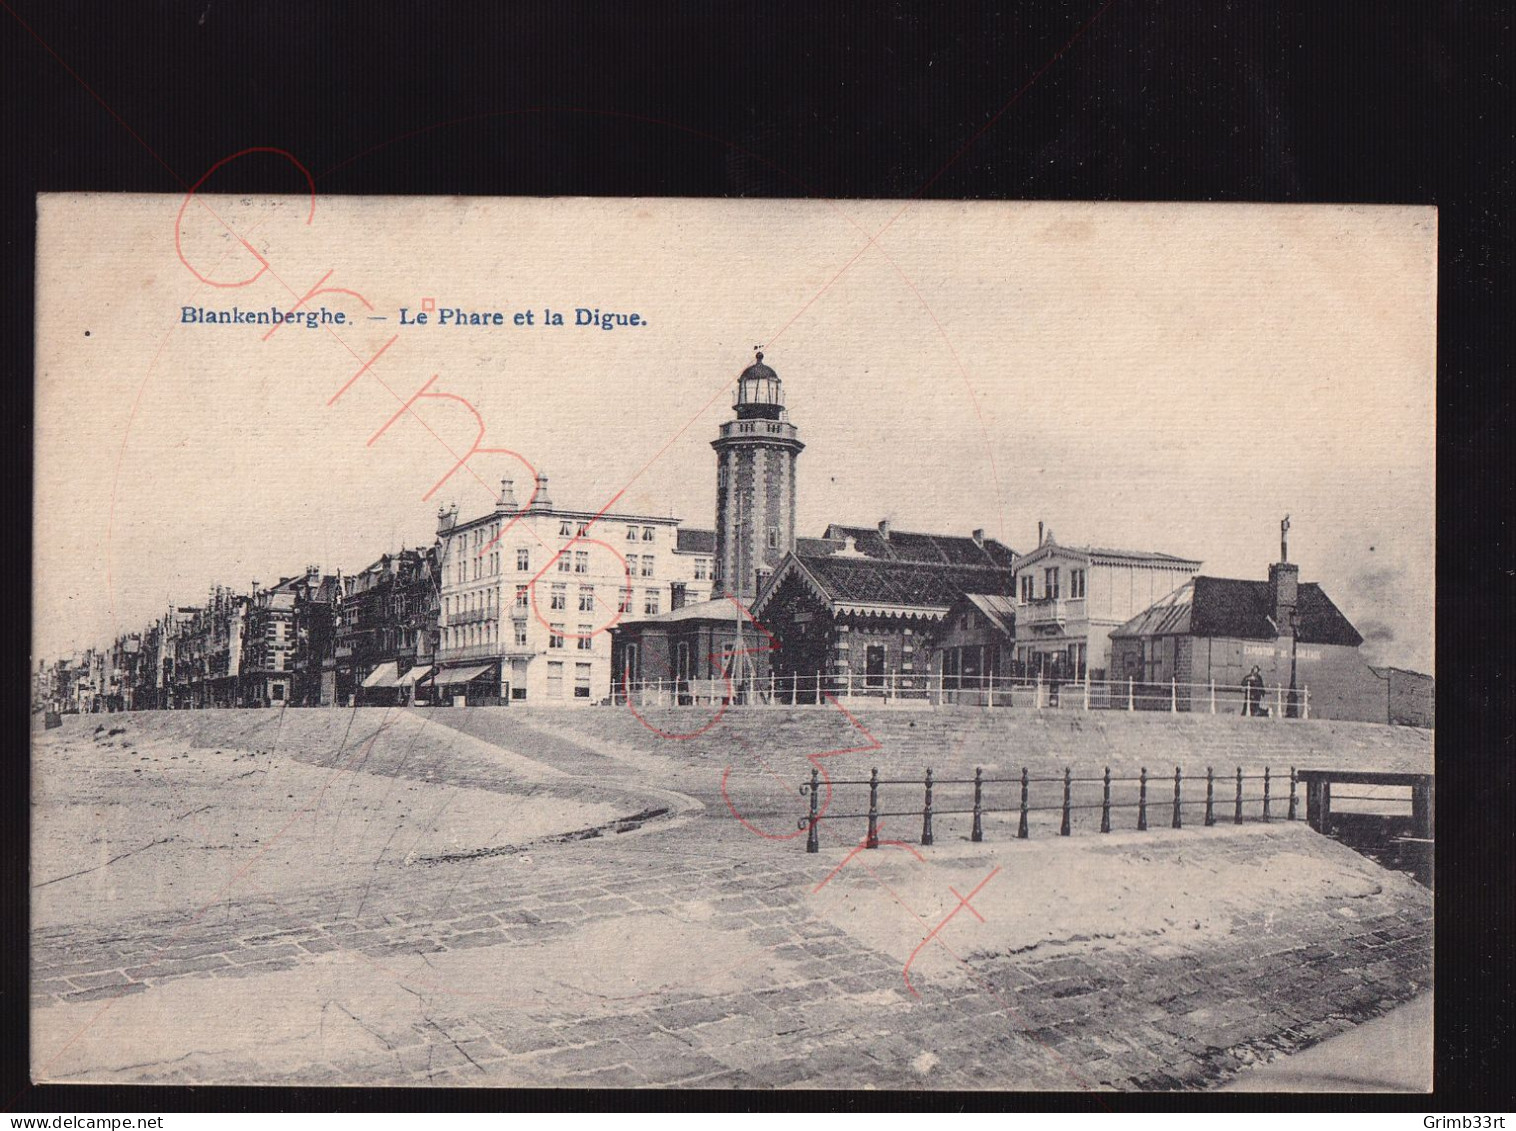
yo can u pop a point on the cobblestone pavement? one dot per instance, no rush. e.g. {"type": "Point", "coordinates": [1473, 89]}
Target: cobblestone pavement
{"type": "Point", "coordinates": [694, 953]}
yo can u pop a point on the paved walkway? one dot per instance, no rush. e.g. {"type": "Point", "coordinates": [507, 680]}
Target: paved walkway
{"type": "Point", "coordinates": [692, 951]}
{"type": "Point", "coordinates": [1392, 1053]}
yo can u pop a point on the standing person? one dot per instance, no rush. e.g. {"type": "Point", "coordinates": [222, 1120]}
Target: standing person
{"type": "Point", "coordinates": [1252, 692]}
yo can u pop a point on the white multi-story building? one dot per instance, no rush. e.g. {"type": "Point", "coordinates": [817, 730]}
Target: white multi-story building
{"type": "Point", "coordinates": [528, 594]}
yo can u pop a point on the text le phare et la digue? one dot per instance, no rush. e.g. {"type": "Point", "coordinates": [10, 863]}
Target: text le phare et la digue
{"type": "Point", "coordinates": [582, 316]}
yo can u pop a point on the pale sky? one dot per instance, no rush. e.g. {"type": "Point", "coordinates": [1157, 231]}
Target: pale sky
{"type": "Point", "coordinates": [1164, 377]}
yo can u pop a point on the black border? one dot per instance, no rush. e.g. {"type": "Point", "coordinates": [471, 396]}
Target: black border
{"type": "Point", "coordinates": [1255, 100]}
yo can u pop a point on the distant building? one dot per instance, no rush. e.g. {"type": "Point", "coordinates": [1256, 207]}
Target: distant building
{"type": "Point", "coordinates": [386, 630]}
{"type": "Point", "coordinates": [859, 610]}
{"type": "Point", "coordinates": [1216, 629]}
{"type": "Point", "coordinates": [528, 590]}
{"type": "Point", "coordinates": [973, 648]}
{"type": "Point", "coordinates": [1069, 598]}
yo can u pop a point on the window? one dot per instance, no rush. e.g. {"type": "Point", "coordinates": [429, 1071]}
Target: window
{"type": "Point", "coordinates": [631, 534]}
{"type": "Point", "coordinates": [702, 569]}
{"type": "Point", "coordinates": [581, 681]}
{"type": "Point", "coordinates": [1028, 582]}
{"type": "Point", "coordinates": [1076, 583]}
{"type": "Point", "coordinates": [586, 637]}
{"type": "Point", "coordinates": [523, 558]}
{"type": "Point", "coordinates": [650, 603]}
{"type": "Point", "coordinates": [581, 561]}
{"type": "Point", "coordinates": [583, 529]}
{"type": "Point", "coordinates": [649, 533]}
{"type": "Point", "coordinates": [721, 476]}
{"type": "Point", "coordinates": [565, 563]}
{"type": "Point", "coordinates": [560, 597]}
{"type": "Point", "coordinates": [586, 598]}
{"type": "Point", "coordinates": [624, 601]}
{"type": "Point", "coordinates": [565, 528]}
{"type": "Point", "coordinates": [555, 636]}
{"type": "Point", "coordinates": [1050, 582]}
{"type": "Point", "coordinates": [647, 565]}
{"type": "Point", "coordinates": [555, 680]}
{"type": "Point", "coordinates": [773, 537]}
{"type": "Point", "coordinates": [520, 634]}
{"type": "Point", "coordinates": [278, 693]}
{"type": "Point", "coordinates": [521, 596]}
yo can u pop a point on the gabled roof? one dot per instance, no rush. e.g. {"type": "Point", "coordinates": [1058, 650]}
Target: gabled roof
{"type": "Point", "coordinates": [998, 609]}
{"type": "Point", "coordinates": [1225, 606]}
{"type": "Point", "coordinates": [852, 583]}
{"type": "Point", "coordinates": [1105, 555]}
{"type": "Point", "coordinates": [905, 546]}
{"type": "Point", "coordinates": [691, 540]}
{"type": "Point", "coordinates": [719, 609]}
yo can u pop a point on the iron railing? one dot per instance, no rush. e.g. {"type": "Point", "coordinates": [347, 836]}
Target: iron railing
{"type": "Point", "coordinates": [1231, 795]}
{"type": "Point", "coordinates": [935, 689]}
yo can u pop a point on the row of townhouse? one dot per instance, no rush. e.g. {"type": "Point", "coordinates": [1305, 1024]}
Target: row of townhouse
{"type": "Point", "coordinates": [509, 606]}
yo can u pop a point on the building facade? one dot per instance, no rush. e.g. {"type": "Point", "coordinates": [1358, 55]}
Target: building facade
{"type": "Point", "coordinates": [859, 616]}
{"type": "Point", "coordinates": [973, 649]}
{"type": "Point", "coordinates": [1212, 631]}
{"type": "Point", "coordinates": [528, 593]}
{"type": "Point", "coordinates": [756, 456]}
{"type": "Point", "coordinates": [1070, 598]}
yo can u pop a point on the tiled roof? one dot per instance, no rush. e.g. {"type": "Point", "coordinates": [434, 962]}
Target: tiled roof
{"type": "Point", "coordinates": [691, 540]}
{"type": "Point", "coordinates": [905, 546]}
{"type": "Point", "coordinates": [872, 581]}
{"type": "Point", "coordinates": [719, 609]}
{"type": "Point", "coordinates": [814, 546]}
{"type": "Point", "coordinates": [1225, 606]}
{"type": "Point", "coordinates": [998, 608]}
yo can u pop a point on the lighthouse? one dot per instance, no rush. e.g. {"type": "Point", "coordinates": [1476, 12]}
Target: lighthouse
{"type": "Point", "coordinates": [755, 484]}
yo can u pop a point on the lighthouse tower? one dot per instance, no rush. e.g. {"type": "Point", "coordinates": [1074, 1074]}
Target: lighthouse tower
{"type": "Point", "coordinates": [755, 485]}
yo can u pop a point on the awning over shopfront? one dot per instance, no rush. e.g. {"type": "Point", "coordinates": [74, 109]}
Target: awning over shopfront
{"type": "Point", "coordinates": [384, 675]}
{"type": "Point", "coordinates": [415, 675]}
{"type": "Point", "coordinates": [459, 673]}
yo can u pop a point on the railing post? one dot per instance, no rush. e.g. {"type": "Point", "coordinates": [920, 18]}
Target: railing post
{"type": "Point", "coordinates": [1178, 822]}
{"type": "Point", "coordinates": [1038, 695]}
{"type": "Point", "coordinates": [872, 840]}
{"type": "Point", "coordinates": [1279, 701]}
{"type": "Point", "coordinates": [1068, 789]}
{"type": "Point", "coordinates": [1129, 700]}
{"type": "Point", "coordinates": [818, 689]}
{"type": "Point", "coordinates": [1291, 815]}
{"type": "Point", "coordinates": [1142, 801]}
{"type": "Point", "coordinates": [926, 814]}
{"type": "Point", "coordinates": [1105, 803]}
{"type": "Point", "coordinates": [1213, 696]}
{"type": "Point", "coordinates": [1265, 793]}
{"type": "Point", "coordinates": [1210, 788]}
{"type": "Point", "coordinates": [1306, 702]}
{"type": "Point", "coordinates": [1237, 815]}
{"type": "Point", "coordinates": [978, 832]}
{"type": "Point", "coordinates": [1021, 830]}
{"type": "Point", "coordinates": [1086, 688]}
{"type": "Point", "coordinates": [850, 683]}
{"type": "Point", "coordinates": [812, 836]}
{"type": "Point", "coordinates": [1173, 695]}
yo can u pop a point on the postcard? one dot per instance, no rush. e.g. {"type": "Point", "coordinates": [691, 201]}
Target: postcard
{"type": "Point", "coordinates": [708, 644]}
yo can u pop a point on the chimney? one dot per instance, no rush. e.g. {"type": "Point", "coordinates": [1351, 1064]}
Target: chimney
{"type": "Point", "coordinates": [446, 519]}
{"type": "Point", "coordinates": [979, 537]}
{"type": "Point", "coordinates": [884, 529]}
{"type": "Point", "coordinates": [1039, 534]}
{"type": "Point", "coordinates": [1284, 584]}
{"type": "Point", "coordinates": [540, 500]}
{"type": "Point", "coordinates": [507, 500]}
